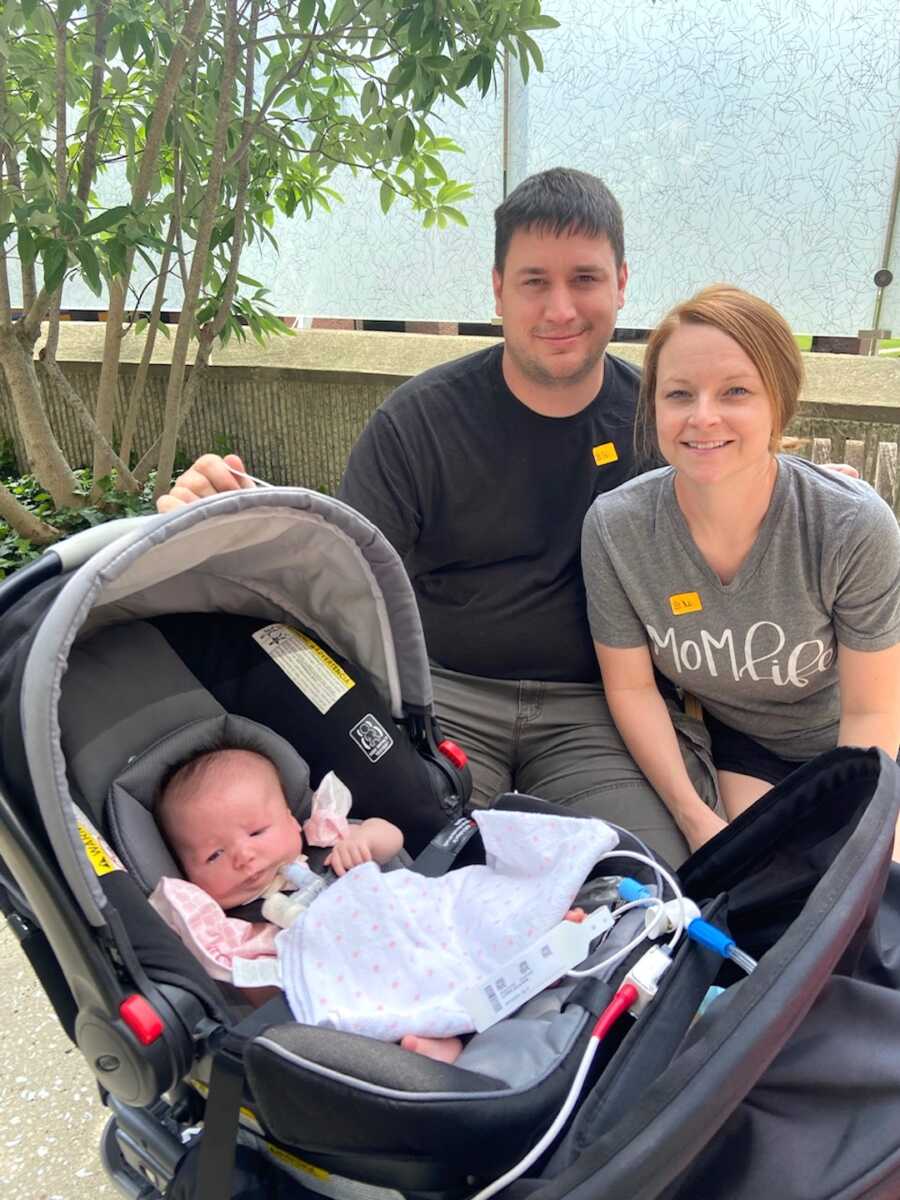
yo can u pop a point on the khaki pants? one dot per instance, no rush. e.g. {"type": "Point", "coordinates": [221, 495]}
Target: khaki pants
{"type": "Point", "coordinates": [558, 741]}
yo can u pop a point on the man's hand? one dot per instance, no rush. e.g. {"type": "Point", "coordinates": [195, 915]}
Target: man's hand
{"type": "Point", "coordinates": [842, 469]}
{"type": "Point", "coordinates": [208, 476]}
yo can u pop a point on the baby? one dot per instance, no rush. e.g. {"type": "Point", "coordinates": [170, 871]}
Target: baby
{"type": "Point", "coordinates": [225, 817]}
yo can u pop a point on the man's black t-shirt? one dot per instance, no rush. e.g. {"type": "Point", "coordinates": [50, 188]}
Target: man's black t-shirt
{"type": "Point", "coordinates": [484, 499]}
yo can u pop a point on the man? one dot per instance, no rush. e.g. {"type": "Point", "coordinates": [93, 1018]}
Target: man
{"type": "Point", "coordinates": [480, 471]}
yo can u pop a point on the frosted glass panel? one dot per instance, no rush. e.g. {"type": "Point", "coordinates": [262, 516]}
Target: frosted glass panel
{"type": "Point", "coordinates": [890, 305]}
{"type": "Point", "coordinates": [751, 140]}
{"type": "Point", "coordinates": [748, 141]}
{"type": "Point", "coordinates": [356, 262]}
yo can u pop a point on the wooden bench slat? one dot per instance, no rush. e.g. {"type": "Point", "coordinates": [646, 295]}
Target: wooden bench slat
{"type": "Point", "coordinates": [886, 471]}
{"type": "Point", "coordinates": [855, 454]}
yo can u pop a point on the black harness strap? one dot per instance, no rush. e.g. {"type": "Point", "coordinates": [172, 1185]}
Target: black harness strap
{"type": "Point", "coordinates": [441, 852]}
{"type": "Point", "coordinates": [220, 1127]}
{"type": "Point", "coordinates": [223, 1103]}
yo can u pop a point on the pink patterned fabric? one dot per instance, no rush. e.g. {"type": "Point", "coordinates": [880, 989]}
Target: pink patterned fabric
{"type": "Point", "coordinates": [214, 939]}
{"type": "Point", "coordinates": [388, 954]}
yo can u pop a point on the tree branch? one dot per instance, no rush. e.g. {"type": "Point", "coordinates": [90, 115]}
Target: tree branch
{"type": "Point", "coordinates": [62, 181]}
{"type": "Point", "coordinates": [40, 307]}
{"type": "Point", "coordinates": [212, 329]}
{"type": "Point", "coordinates": [177, 186]}
{"type": "Point", "coordinates": [185, 45]}
{"type": "Point", "coordinates": [269, 98]}
{"type": "Point", "coordinates": [52, 342]}
{"type": "Point", "coordinates": [8, 154]}
{"type": "Point", "coordinates": [205, 226]}
{"type": "Point", "coordinates": [5, 305]}
{"type": "Point", "coordinates": [149, 458]}
{"type": "Point", "coordinates": [82, 412]}
{"type": "Point", "coordinates": [88, 165]}
{"type": "Point", "coordinates": [140, 379]}
{"type": "Point", "coordinates": [62, 176]}
{"type": "Point", "coordinates": [243, 184]}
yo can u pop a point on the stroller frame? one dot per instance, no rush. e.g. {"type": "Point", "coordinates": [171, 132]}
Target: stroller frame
{"type": "Point", "coordinates": [656, 1120]}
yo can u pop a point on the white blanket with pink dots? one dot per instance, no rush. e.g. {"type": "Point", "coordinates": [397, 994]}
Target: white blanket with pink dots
{"type": "Point", "coordinates": [388, 954]}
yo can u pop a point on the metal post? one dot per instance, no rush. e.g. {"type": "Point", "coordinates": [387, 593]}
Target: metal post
{"type": "Point", "coordinates": [504, 164]}
{"type": "Point", "coordinates": [884, 276]}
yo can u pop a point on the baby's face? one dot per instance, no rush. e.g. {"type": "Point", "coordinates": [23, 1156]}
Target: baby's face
{"type": "Point", "coordinates": [236, 830]}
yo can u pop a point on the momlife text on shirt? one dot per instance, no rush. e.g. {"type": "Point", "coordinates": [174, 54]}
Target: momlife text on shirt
{"type": "Point", "coordinates": [762, 656]}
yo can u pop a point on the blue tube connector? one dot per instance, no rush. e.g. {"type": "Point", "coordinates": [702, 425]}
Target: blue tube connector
{"type": "Point", "coordinates": [704, 934]}
{"type": "Point", "coordinates": [630, 889]}
{"type": "Point", "coordinates": [698, 930]}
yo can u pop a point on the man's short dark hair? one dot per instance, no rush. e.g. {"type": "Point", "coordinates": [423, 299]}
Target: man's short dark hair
{"type": "Point", "coordinates": [560, 201]}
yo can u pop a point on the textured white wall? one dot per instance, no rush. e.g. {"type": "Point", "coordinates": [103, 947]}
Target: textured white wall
{"type": "Point", "coordinates": [748, 140]}
{"type": "Point", "coordinates": [751, 140]}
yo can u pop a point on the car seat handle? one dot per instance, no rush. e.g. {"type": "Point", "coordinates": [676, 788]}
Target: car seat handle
{"type": "Point", "coordinates": [77, 549]}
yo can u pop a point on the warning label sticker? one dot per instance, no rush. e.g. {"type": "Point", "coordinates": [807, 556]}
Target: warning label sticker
{"type": "Point", "coordinates": [306, 664]}
{"type": "Point", "coordinates": [100, 854]}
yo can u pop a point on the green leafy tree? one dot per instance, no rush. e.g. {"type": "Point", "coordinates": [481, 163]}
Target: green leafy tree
{"type": "Point", "coordinates": [221, 111]}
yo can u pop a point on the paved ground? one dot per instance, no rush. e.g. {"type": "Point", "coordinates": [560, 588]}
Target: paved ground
{"type": "Point", "coordinates": [50, 1116]}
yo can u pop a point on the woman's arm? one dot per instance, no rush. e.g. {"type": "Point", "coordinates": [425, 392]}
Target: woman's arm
{"type": "Point", "coordinates": [643, 720]}
{"type": "Point", "coordinates": [870, 698]}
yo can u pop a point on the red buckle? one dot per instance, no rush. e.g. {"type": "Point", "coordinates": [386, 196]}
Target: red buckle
{"type": "Point", "coordinates": [141, 1019]}
{"type": "Point", "coordinates": [454, 753]}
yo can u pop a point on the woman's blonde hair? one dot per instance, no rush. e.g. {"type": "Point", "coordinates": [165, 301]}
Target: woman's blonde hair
{"type": "Point", "coordinates": [760, 331]}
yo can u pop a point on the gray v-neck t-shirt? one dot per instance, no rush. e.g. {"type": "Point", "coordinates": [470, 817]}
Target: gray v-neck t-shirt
{"type": "Point", "coordinates": [759, 652]}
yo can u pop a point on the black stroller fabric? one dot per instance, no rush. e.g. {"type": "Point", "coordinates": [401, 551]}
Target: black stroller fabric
{"type": "Point", "coordinates": [219, 650]}
{"type": "Point", "coordinates": [788, 1084]}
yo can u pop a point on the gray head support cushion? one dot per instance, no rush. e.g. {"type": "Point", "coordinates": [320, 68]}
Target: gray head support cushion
{"type": "Point", "coordinates": [132, 794]}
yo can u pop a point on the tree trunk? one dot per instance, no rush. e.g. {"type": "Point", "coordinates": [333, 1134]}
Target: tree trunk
{"type": "Point", "coordinates": [150, 457]}
{"type": "Point", "coordinates": [23, 520]}
{"type": "Point", "coordinates": [44, 457]}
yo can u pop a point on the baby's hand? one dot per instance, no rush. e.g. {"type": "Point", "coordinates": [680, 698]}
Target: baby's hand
{"type": "Point", "coordinates": [348, 852]}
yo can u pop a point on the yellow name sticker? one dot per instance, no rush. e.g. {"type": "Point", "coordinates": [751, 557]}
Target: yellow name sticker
{"type": "Point", "coordinates": [607, 453]}
{"type": "Point", "coordinates": [685, 602]}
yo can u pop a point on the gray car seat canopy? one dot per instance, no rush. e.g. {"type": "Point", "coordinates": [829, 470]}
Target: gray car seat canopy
{"type": "Point", "coordinates": [283, 555]}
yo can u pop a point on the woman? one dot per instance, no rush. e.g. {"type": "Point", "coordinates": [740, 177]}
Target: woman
{"type": "Point", "coordinates": [767, 587]}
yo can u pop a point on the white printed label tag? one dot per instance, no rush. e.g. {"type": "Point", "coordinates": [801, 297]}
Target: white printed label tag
{"type": "Point", "coordinates": [539, 965]}
{"type": "Point", "coordinates": [306, 664]}
{"type": "Point", "coordinates": [256, 972]}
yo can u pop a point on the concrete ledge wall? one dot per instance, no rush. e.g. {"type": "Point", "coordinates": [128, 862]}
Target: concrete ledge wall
{"type": "Point", "coordinates": [294, 407]}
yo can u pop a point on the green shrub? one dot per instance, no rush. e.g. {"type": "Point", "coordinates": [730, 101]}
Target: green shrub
{"type": "Point", "coordinates": [15, 551]}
